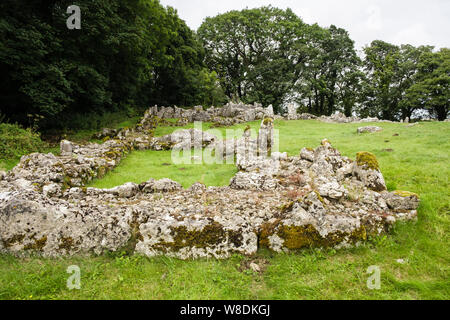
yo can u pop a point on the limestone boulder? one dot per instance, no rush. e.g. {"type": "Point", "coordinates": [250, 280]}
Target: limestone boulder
{"type": "Point", "coordinates": [367, 170]}
{"type": "Point", "coordinates": [402, 200]}
{"type": "Point", "coordinates": [370, 129]}
{"type": "Point", "coordinates": [66, 148]}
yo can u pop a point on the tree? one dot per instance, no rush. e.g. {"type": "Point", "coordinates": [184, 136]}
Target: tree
{"type": "Point", "coordinates": [330, 74]}
{"type": "Point", "coordinates": [127, 53]}
{"type": "Point", "coordinates": [391, 70]}
{"type": "Point", "coordinates": [257, 53]}
{"type": "Point", "coordinates": [380, 90]}
{"type": "Point", "coordinates": [431, 87]}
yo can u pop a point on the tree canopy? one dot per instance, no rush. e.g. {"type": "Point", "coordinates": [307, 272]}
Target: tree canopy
{"type": "Point", "coordinates": [127, 53]}
{"type": "Point", "coordinates": [137, 53]}
{"type": "Point", "coordinates": [271, 56]}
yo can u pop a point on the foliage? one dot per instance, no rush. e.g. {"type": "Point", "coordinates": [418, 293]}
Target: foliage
{"type": "Point", "coordinates": [331, 76]}
{"type": "Point", "coordinates": [259, 61]}
{"type": "Point", "coordinates": [273, 57]}
{"type": "Point", "coordinates": [16, 142]}
{"type": "Point", "coordinates": [431, 87]}
{"type": "Point", "coordinates": [390, 72]}
{"type": "Point", "coordinates": [128, 52]}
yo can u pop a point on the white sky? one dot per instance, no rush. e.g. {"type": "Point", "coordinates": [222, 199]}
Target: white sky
{"type": "Point", "coordinates": [416, 22]}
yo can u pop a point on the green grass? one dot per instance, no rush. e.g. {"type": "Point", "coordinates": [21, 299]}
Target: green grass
{"type": "Point", "coordinates": [418, 163]}
{"type": "Point", "coordinates": [140, 166]}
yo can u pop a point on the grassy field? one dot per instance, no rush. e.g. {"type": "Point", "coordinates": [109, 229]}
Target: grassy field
{"type": "Point", "coordinates": [411, 158]}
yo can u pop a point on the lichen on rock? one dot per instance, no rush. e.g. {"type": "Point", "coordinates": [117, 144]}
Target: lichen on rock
{"type": "Point", "coordinates": [367, 159]}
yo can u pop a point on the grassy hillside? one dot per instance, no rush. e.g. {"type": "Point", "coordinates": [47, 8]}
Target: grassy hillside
{"type": "Point", "coordinates": [411, 158]}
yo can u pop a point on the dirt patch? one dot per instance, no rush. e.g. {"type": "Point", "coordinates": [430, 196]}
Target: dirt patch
{"type": "Point", "coordinates": [257, 265]}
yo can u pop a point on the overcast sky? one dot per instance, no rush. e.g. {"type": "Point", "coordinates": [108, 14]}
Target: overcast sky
{"type": "Point", "coordinates": [416, 22]}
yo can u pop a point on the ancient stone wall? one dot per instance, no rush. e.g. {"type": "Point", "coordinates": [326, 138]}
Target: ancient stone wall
{"type": "Point", "coordinates": [318, 198]}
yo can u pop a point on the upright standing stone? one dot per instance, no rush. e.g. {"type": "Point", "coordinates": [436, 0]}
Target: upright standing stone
{"type": "Point", "coordinates": [66, 148]}
{"type": "Point", "coordinates": [292, 112]}
{"type": "Point", "coordinates": [269, 111]}
{"type": "Point", "coordinates": [265, 137]}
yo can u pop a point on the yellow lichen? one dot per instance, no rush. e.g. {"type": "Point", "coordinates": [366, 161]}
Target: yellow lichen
{"type": "Point", "coordinates": [267, 121]}
{"type": "Point", "coordinates": [211, 235]}
{"type": "Point", "coordinates": [367, 159]}
{"type": "Point", "coordinates": [298, 237]}
{"type": "Point", "coordinates": [405, 194]}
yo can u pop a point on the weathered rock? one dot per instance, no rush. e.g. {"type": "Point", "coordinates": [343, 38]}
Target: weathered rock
{"type": "Point", "coordinates": [2, 175]}
{"type": "Point", "coordinates": [106, 133]}
{"type": "Point", "coordinates": [401, 200]}
{"type": "Point", "coordinates": [307, 154]}
{"type": "Point", "coordinates": [230, 114]}
{"type": "Point", "coordinates": [292, 112]}
{"type": "Point", "coordinates": [127, 190]}
{"type": "Point", "coordinates": [199, 238]}
{"type": "Point", "coordinates": [253, 181]}
{"type": "Point", "coordinates": [266, 137]}
{"type": "Point", "coordinates": [367, 170]}
{"type": "Point", "coordinates": [269, 111]}
{"type": "Point", "coordinates": [184, 139]}
{"type": "Point", "coordinates": [52, 190]}
{"type": "Point", "coordinates": [163, 185]}
{"type": "Point", "coordinates": [331, 189]}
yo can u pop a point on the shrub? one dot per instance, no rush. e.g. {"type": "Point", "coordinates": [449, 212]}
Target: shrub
{"type": "Point", "coordinates": [16, 142]}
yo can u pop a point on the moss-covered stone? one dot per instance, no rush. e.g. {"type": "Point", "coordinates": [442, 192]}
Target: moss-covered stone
{"type": "Point", "coordinates": [38, 244]}
{"type": "Point", "coordinates": [367, 159]}
{"type": "Point", "coordinates": [210, 236]}
{"type": "Point", "coordinates": [267, 121]}
{"type": "Point", "coordinates": [67, 183]}
{"type": "Point", "coordinates": [287, 207]}
{"type": "Point", "coordinates": [319, 197]}
{"type": "Point", "coordinates": [101, 172]}
{"type": "Point", "coordinates": [299, 237]}
{"type": "Point", "coordinates": [405, 194]}
{"type": "Point", "coordinates": [8, 243]}
{"type": "Point", "coordinates": [66, 243]}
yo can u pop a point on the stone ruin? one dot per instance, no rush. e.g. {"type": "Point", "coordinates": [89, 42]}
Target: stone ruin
{"type": "Point", "coordinates": [317, 198]}
{"type": "Point", "coordinates": [232, 114]}
{"type": "Point", "coordinates": [228, 115]}
{"type": "Point", "coordinates": [338, 117]}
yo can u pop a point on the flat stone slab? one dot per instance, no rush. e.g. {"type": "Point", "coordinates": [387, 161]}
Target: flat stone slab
{"type": "Point", "coordinates": [369, 129]}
